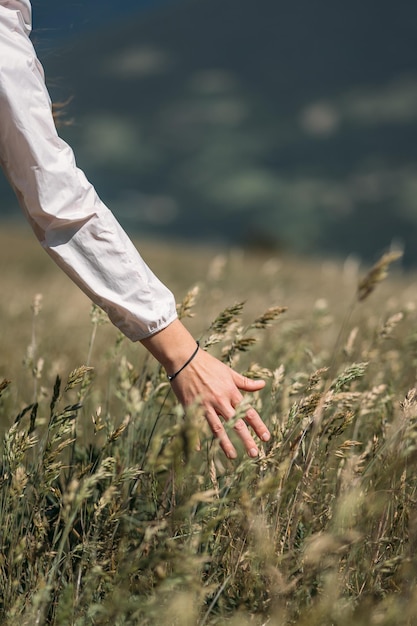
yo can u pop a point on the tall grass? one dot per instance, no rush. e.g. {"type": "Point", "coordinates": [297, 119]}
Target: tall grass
{"type": "Point", "coordinates": [110, 515]}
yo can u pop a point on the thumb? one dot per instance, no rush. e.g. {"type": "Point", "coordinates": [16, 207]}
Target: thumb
{"type": "Point", "coordinates": [247, 384]}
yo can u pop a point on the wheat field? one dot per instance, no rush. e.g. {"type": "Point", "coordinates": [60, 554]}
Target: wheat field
{"type": "Point", "coordinates": [110, 516]}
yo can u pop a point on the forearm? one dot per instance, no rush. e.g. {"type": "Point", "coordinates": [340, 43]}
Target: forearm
{"type": "Point", "coordinates": [74, 226]}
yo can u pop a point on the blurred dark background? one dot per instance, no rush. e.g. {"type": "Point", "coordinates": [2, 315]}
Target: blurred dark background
{"type": "Point", "coordinates": [288, 126]}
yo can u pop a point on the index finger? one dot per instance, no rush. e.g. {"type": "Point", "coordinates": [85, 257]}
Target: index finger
{"type": "Point", "coordinates": [255, 421]}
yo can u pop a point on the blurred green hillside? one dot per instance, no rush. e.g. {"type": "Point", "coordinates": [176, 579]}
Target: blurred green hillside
{"type": "Point", "coordinates": [280, 124]}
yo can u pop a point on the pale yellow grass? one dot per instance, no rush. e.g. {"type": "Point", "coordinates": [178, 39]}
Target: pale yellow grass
{"type": "Point", "coordinates": [319, 530]}
{"type": "Point", "coordinates": [312, 289]}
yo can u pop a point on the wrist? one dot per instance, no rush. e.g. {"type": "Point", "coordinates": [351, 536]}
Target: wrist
{"type": "Point", "coordinates": [172, 377]}
{"type": "Point", "coordinates": [171, 346]}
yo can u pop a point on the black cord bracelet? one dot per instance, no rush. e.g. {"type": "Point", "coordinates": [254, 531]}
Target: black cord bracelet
{"type": "Point", "coordinates": [172, 376]}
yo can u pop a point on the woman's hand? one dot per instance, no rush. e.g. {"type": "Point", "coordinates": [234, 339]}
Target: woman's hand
{"type": "Point", "coordinates": [219, 389]}
{"type": "Point", "coordinates": [214, 385]}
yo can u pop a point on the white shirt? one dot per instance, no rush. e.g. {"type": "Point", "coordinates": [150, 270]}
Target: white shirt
{"type": "Point", "coordinates": [73, 225]}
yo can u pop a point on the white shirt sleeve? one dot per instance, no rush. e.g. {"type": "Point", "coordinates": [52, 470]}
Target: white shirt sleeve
{"type": "Point", "coordinates": [73, 225]}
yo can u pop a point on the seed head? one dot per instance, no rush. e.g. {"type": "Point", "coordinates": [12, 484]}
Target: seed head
{"type": "Point", "coordinates": [376, 274]}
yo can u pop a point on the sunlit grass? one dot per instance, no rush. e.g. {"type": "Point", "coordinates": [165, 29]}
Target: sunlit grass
{"type": "Point", "coordinates": [110, 515]}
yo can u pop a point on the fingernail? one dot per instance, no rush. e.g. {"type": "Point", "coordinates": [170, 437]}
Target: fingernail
{"type": "Point", "coordinates": [231, 455]}
{"type": "Point", "coordinates": [266, 437]}
{"type": "Point", "coordinates": [253, 452]}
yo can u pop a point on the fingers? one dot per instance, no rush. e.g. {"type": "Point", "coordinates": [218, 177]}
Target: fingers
{"type": "Point", "coordinates": [255, 421]}
{"type": "Point", "coordinates": [247, 384]}
{"type": "Point", "coordinates": [241, 428]}
{"type": "Point", "coordinates": [219, 432]}
{"type": "Point", "coordinates": [246, 438]}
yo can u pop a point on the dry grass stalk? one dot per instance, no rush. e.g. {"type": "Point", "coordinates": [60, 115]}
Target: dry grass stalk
{"type": "Point", "coordinates": [132, 521]}
{"type": "Point", "coordinates": [376, 274]}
